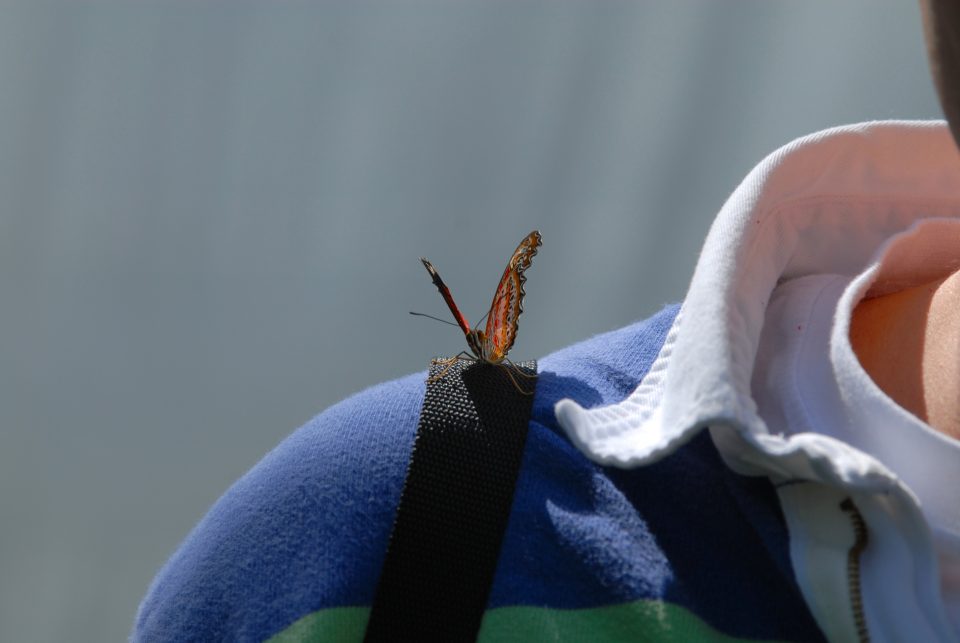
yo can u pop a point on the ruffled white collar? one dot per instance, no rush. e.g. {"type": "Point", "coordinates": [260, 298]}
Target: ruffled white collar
{"type": "Point", "coordinates": [825, 203]}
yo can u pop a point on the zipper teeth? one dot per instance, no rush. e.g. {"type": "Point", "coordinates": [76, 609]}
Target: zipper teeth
{"type": "Point", "coordinates": [853, 568]}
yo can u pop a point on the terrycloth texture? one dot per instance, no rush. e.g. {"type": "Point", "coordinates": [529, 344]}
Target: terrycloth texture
{"type": "Point", "coordinates": [306, 529]}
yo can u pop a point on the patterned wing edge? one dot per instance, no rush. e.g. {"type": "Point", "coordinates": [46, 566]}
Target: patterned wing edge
{"type": "Point", "coordinates": [447, 296]}
{"type": "Point", "coordinates": [519, 262]}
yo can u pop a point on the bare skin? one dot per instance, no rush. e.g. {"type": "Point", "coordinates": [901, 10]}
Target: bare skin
{"type": "Point", "coordinates": [909, 341]}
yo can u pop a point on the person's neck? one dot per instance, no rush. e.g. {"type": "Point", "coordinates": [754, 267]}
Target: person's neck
{"type": "Point", "coordinates": [909, 344]}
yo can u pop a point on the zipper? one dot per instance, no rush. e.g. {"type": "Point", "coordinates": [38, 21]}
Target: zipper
{"type": "Point", "coordinates": [861, 540]}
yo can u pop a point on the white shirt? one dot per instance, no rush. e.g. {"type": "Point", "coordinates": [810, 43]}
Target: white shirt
{"type": "Point", "coordinates": [822, 205]}
{"type": "Point", "coordinates": [807, 379]}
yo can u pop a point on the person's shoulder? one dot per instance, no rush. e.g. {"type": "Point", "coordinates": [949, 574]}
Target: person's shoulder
{"type": "Point", "coordinates": [305, 529]}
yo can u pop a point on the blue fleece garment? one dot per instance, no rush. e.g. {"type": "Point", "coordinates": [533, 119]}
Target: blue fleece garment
{"type": "Point", "coordinates": [307, 528]}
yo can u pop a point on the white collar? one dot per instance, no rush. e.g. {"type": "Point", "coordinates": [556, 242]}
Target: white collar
{"type": "Point", "coordinates": [822, 204]}
{"type": "Point", "coordinates": [924, 458]}
{"type": "Point", "coordinates": [808, 378]}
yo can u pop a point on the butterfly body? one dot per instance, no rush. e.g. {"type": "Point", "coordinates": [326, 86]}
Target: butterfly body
{"type": "Point", "coordinates": [481, 348]}
{"type": "Point", "coordinates": [492, 344]}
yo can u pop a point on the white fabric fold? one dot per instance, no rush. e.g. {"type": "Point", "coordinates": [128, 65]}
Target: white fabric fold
{"type": "Point", "coordinates": [822, 204]}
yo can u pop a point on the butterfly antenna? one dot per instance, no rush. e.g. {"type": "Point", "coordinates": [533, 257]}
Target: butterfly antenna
{"type": "Point", "coordinates": [432, 317]}
{"type": "Point", "coordinates": [481, 319]}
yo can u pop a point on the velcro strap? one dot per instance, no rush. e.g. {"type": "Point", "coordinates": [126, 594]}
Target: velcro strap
{"type": "Point", "coordinates": [455, 504]}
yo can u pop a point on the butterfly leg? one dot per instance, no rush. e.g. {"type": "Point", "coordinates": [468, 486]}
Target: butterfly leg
{"type": "Point", "coordinates": [513, 380]}
{"type": "Point", "coordinates": [519, 371]}
{"type": "Point", "coordinates": [448, 364]}
{"type": "Point", "coordinates": [450, 360]}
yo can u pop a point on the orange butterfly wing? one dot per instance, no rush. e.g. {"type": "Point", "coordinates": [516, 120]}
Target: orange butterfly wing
{"type": "Point", "coordinates": [507, 304]}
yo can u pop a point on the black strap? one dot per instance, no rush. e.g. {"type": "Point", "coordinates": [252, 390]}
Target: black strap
{"type": "Point", "coordinates": [455, 504]}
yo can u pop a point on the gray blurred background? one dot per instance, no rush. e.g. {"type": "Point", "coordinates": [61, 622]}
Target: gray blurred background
{"type": "Point", "coordinates": [211, 213]}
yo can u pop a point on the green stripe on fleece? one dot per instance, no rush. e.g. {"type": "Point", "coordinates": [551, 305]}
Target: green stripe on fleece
{"type": "Point", "coordinates": [636, 621]}
{"type": "Point", "coordinates": [333, 624]}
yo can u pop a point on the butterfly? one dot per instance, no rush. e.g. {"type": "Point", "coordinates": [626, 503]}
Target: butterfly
{"type": "Point", "coordinates": [492, 344]}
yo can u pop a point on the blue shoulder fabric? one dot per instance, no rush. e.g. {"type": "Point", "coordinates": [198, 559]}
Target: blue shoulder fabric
{"type": "Point", "coordinates": [306, 530]}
